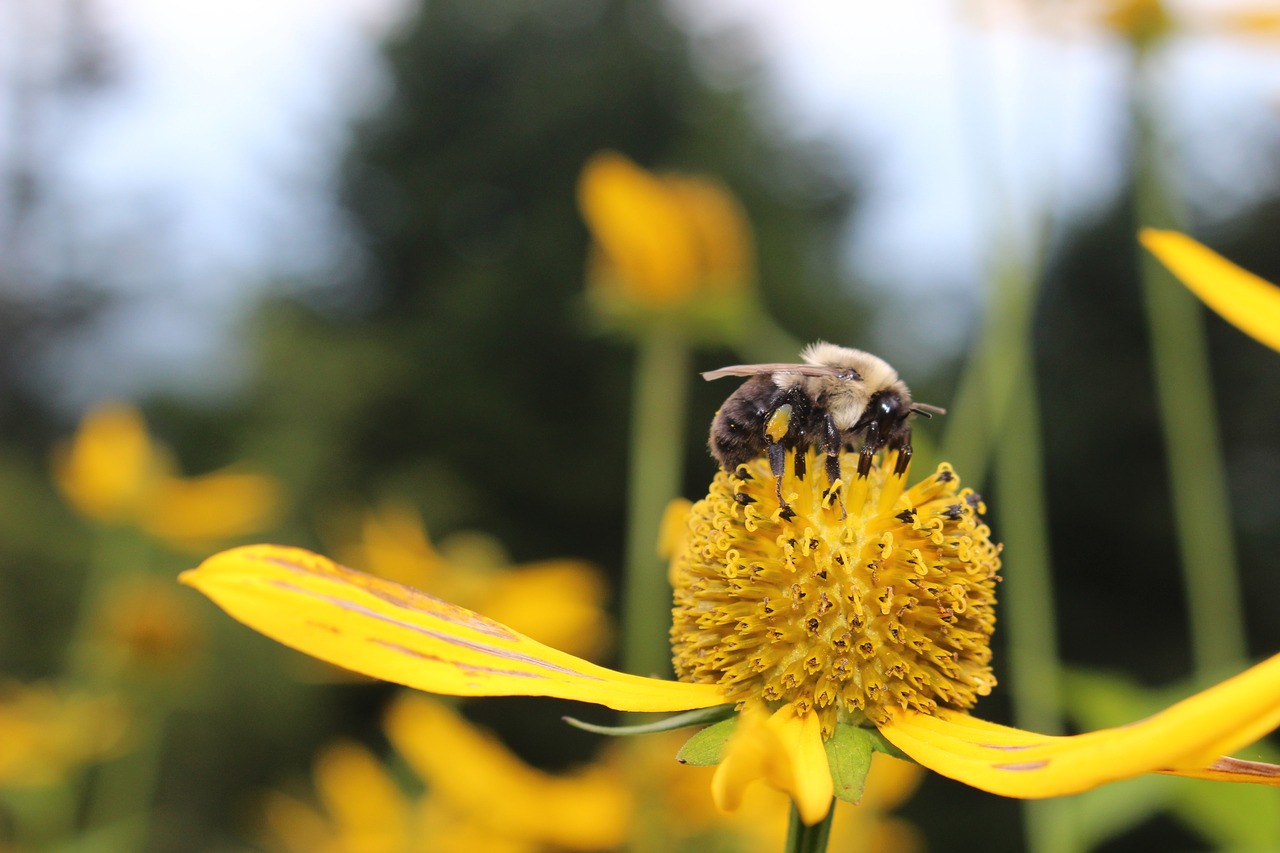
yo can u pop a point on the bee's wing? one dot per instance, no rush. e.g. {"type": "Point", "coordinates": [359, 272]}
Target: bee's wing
{"type": "Point", "coordinates": [799, 369]}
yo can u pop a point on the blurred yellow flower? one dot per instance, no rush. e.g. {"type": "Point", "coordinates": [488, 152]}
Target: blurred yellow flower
{"type": "Point", "coordinates": [46, 733]}
{"type": "Point", "coordinates": [474, 776]}
{"type": "Point", "coordinates": [1146, 23]}
{"type": "Point", "coordinates": [1244, 300]}
{"type": "Point", "coordinates": [112, 471]}
{"type": "Point", "coordinates": [478, 797]}
{"type": "Point", "coordinates": [144, 625]}
{"type": "Point", "coordinates": [557, 602]}
{"type": "Point", "coordinates": [362, 809]}
{"type": "Point", "coordinates": [106, 470]}
{"type": "Point", "coordinates": [661, 241]}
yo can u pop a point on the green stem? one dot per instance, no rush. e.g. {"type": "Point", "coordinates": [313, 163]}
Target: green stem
{"type": "Point", "coordinates": [121, 791]}
{"type": "Point", "coordinates": [1184, 389]}
{"type": "Point", "coordinates": [802, 838]}
{"type": "Point", "coordinates": [1035, 673]}
{"type": "Point", "coordinates": [659, 403]}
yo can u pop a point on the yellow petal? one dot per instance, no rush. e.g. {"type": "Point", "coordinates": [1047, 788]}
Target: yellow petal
{"type": "Point", "coordinates": [720, 230]}
{"type": "Point", "coordinates": [785, 750]}
{"type": "Point", "coordinates": [195, 511]}
{"type": "Point", "coordinates": [368, 810]}
{"type": "Point", "coordinates": [398, 634]}
{"type": "Point", "coordinates": [395, 546]}
{"type": "Point", "coordinates": [475, 775]}
{"type": "Point", "coordinates": [1244, 300]}
{"type": "Point", "coordinates": [642, 229]}
{"type": "Point", "coordinates": [45, 733]}
{"type": "Point", "coordinates": [556, 602]}
{"type": "Point", "coordinates": [108, 466]}
{"type": "Point", "coordinates": [1184, 739]}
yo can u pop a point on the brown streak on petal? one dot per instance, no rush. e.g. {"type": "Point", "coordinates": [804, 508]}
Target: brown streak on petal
{"type": "Point", "coordinates": [1025, 765]}
{"type": "Point", "coordinates": [1250, 768]}
{"type": "Point", "coordinates": [469, 669]}
{"type": "Point", "coordinates": [481, 648]}
{"type": "Point", "coordinates": [398, 595]}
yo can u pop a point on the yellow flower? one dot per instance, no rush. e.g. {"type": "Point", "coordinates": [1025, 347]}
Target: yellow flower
{"type": "Point", "coordinates": [867, 621]}
{"type": "Point", "coordinates": [363, 809]}
{"type": "Point", "coordinates": [475, 776]}
{"type": "Point", "coordinates": [679, 812]}
{"type": "Point", "coordinates": [1147, 23]}
{"type": "Point", "coordinates": [662, 241]}
{"type": "Point", "coordinates": [106, 470]}
{"type": "Point", "coordinates": [112, 471]}
{"type": "Point", "coordinates": [46, 733]}
{"type": "Point", "coordinates": [557, 602]}
{"type": "Point", "coordinates": [143, 626]}
{"type": "Point", "coordinates": [478, 796]}
{"type": "Point", "coordinates": [1244, 300]}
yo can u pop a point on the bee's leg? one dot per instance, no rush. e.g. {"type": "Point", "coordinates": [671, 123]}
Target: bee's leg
{"type": "Point", "coordinates": [904, 458]}
{"type": "Point", "coordinates": [831, 446]}
{"type": "Point", "coordinates": [871, 442]}
{"type": "Point", "coordinates": [775, 430]}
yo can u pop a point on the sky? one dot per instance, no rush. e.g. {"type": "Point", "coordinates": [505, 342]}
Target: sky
{"type": "Point", "coordinates": [219, 139]}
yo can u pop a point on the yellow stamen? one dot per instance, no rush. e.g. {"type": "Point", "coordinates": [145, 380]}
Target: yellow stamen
{"type": "Point", "coordinates": [891, 606]}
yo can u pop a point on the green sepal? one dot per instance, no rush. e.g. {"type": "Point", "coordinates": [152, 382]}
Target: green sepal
{"type": "Point", "coordinates": [707, 746]}
{"type": "Point", "coordinates": [881, 744]}
{"type": "Point", "coordinates": [849, 756]}
{"type": "Point", "coordinates": [696, 717]}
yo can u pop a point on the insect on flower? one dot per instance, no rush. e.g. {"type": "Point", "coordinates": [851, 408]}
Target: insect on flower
{"type": "Point", "coordinates": [839, 399]}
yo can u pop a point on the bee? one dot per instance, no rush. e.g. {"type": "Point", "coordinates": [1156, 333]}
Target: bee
{"type": "Point", "coordinates": [840, 399]}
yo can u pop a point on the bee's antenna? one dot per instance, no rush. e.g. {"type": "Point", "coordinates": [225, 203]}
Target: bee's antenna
{"type": "Point", "coordinates": [927, 409]}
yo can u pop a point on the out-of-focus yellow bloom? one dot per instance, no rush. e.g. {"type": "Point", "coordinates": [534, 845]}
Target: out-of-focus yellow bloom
{"type": "Point", "coordinates": [684, 808]}
{"type": "Point", "coordinates": [473, 775]}
{"type": "Point", "coordinates": [1244, 300]}
{"type": "Point", "coordinates": [45, 734]}
{"type": "Point", "coordinates": [112, 471]}
{"type": "Point", "coordinates": [107, 469]}
{"type": "Point", "coordinates": [144, 625]}
{"type": "Point", "coordinates": [662, 241]}
{"type": "Point", "coordinates": [478, 797]}
{"type": "Point", "coordinates": [1146, 23]}
{"type": "Point", "coordinates": [362, 809]}
{"type": "Point", "coordinates": [557, 602]}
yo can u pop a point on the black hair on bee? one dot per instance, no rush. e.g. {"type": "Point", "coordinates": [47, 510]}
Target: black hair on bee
{"type": "Point", "coordinates": [839, 399]}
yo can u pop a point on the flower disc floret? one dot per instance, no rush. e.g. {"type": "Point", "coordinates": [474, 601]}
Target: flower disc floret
{"type": "Point", "coordinates": [841, 609]}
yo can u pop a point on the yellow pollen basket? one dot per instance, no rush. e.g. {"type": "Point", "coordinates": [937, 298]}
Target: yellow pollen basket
{"type": "Point", "coordinates": [891, 606]}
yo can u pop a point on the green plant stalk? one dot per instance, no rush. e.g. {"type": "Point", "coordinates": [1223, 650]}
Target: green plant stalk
{"type": "Point", "coordinates": [993, 376]}
{"type": "Point", "coordinates": [808, 839]}
{"type": "Point", "coordinates": [659, 406]}
{"type": "Point", "coordinates": [1026, 594]}
{"type": "Point", "coordinates": [1197, 479]}
{"type": "Point", "coordinates": [995, 425]}
{"type": "Point", "coordinates": [121, 791]}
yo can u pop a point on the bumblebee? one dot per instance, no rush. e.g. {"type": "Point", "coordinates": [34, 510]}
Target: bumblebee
{"type": "Point", "coordinates": [839, 400]}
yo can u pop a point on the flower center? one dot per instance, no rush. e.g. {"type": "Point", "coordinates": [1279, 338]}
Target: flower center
{"type": "Point", "coordinates": [844, 615]}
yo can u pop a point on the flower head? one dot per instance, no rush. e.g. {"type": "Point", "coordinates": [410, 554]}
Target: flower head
{"type": "Point", "coordinates": [840, 610]}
